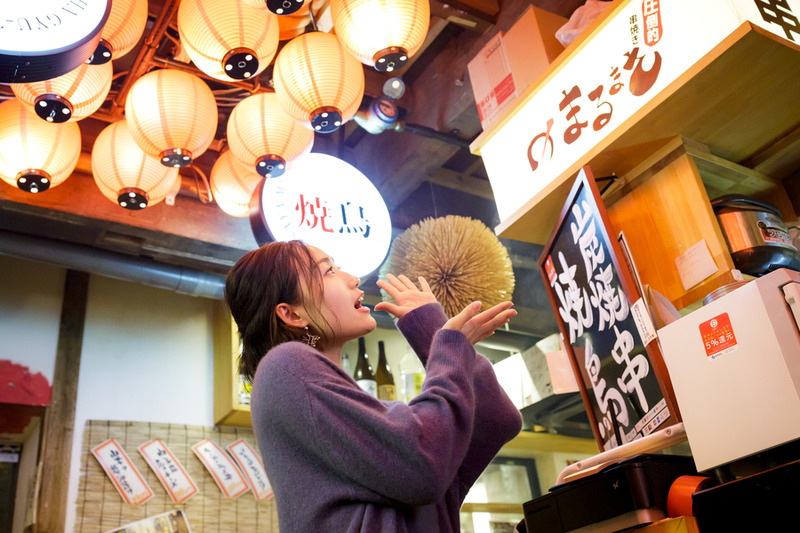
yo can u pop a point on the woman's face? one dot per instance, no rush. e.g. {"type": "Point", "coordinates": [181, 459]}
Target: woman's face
{"type": "Point", "coordinates": [341, 301]}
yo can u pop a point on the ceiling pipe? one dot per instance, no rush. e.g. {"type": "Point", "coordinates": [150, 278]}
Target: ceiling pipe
{"type": "Point", "coordinates": [113, 265]}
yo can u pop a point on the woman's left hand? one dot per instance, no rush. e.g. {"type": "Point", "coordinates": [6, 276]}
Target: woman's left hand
{"type": "Point", "coordinates": [475, 325]}
{"type": "Point", "coordinates": [405, 293]}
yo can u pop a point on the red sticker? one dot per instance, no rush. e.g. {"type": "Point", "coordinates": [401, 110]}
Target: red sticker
{"type": "Point", "coordinates": [551, 270]}
{"type": "Point", "coordinates": [717, 335]}
{"type": "Point", "coordinates": [651, 15]}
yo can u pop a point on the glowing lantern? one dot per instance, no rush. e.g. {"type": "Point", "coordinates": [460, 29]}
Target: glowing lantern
{"type": "Point", "coordinates": [125, 174]}
{"type": "Point", "coordinates": [124, 27]}
{"type": "Point", "coordinates": [172, 115]}
{"type": "Point", "coordinates": [381, 33]}
{"type": "Point", "coordinates": [318, 82]}
{"type": "Point", "coordinates": [232, 184]}
{"type": "Point", "coordinates": [262, 136]}
{"type": "Point", "coordinates": [226, 39]}
{"type": "Point", "coordinates": [35, 155]}
{"type": "Point", "coordinates": [73, 96]}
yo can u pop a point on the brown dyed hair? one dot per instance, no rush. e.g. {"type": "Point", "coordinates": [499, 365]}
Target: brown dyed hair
{"type": "Point", "coordinates": [277, 272]}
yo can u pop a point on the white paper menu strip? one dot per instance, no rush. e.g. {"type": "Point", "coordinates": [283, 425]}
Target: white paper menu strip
{"type": "Point", "coordinates": [250, 463]}
{"type": "Point", "coordinates": [221, 467]}
{"type": "Point", "coordinates": [169, 470]}
{"type": "Point", "coordinates": [123, 474]}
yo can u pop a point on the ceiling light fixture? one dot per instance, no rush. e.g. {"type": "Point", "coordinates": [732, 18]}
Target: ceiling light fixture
{"type": "Point", "coordinates": [122, 30]}
{"type": "Point", "coordinates": [232, 184]}
{"type": "Point", "coordinates": [318, 82]}
{"type": "Point", "coordinates": [172, 115]}
{"type": "Point", "coordinates": [264, 137]}
{"type": "Point", "coordinates": [73, 96]}
{"type": "Point", "coordinates": [227, 40]}
{"type": "Point", "coordinates": [35, 155]}
{"type": "Point", "coordinates": [381, 33]}
{"type": "Point", "coordinates": [125, 174]}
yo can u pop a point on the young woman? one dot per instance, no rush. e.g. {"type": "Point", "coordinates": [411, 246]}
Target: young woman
{"type": "Point", "coordinates": [338, 459]}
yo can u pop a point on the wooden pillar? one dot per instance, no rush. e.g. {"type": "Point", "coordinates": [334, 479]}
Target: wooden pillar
{"type": "Point", "coordinates": [59, 418]}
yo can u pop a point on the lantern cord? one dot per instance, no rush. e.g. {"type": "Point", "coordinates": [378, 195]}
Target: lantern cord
{"type": "Point", "coordinates": [433, 199]}
{"type": "Point", "coordinates": [204, 197]}
{"type": "Point", "coordinates": [313, 18]}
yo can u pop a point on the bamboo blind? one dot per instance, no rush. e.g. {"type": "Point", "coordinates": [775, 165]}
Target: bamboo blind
{"type": "Point", "coordinates": [100, 507]}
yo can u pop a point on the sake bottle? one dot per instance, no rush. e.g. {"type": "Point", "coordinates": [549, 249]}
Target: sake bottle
{"type": "Point", "coordinates": [383, 376]}
{"type": "Point", "coordinates": [363, 374]}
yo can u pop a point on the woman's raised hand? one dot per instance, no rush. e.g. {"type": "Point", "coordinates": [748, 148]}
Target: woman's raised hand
{"type": "Point", "coordinates": [405, 293]}
{"type": "Point", "coordinates": [477, 326]}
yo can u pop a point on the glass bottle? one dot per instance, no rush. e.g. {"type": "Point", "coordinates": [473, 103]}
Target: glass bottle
{"type": "Point", "coordinates": [383, 376]}
{"type": "Point", "coordinates": [347, 365]}
{"type": "Point", "coordinates": [412, 375]}
{"type": "Point", "coordinates": [363, 374]}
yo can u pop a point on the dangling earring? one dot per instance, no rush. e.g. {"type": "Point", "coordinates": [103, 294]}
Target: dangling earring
{"type": "Point", "coordinates": [310, 339]}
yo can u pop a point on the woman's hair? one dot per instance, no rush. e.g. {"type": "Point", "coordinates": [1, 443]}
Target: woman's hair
{"type": "Point", "coordinates": [278, 272]}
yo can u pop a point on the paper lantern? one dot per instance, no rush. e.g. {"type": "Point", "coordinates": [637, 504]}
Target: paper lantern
{"type": "Point", "coordinates": [124, 173]}
{"type": "Point", "coordinates": [73, 96]}
{"type": "Point", "coordinates": [264, 137]}
{"type": "Point", "coordinates": [35, 155]}
{"type": "Point", "coordinates": [381, 33]}
{"type": "Point", "coordinates": [318, 82]}
{"type": "Point", "coordinates": [279, 7]}
{"type": "Point", "coordinates": [172, 115]}
{"type": "Point", "coordinates": [232, 184]}
{"type": "Point", "coordinates": [123, 29]}
{"type": "Point", "coordinates": [226, 39]}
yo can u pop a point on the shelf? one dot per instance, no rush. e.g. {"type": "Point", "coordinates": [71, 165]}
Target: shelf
{"type": "Point", "coordinates": [739, 100]}
{"type": "Point", "coordinates": [228, 410]}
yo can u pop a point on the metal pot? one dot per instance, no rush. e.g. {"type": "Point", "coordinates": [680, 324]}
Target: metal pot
{"type": "Point", "coordinates": [756, 235]}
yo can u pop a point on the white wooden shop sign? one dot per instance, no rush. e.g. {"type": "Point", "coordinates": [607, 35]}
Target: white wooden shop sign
{"type": "Point", "coordinates": [644, 47]}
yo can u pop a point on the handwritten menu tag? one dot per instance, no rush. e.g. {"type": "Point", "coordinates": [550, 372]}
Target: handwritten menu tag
{"type": "Point", "coordinates": [121, 471]}
{"type": "Point", "coordinates": [641, 317]}
{"type": "Point", "coordinates": [169, 470]}
{"type": "Point", "coordinates": [221, 467]}
{"type": "Point", "coordinates": [250, 463]}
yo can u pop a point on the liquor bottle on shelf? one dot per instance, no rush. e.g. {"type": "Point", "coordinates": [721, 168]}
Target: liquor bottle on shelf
{"type": "Point", "coordinates": [363, 374]}
{"type": "Point", "coordinates": [412, 375]}
{"type": "Point", "coordinates": [383, 376]}
{"type": "Point", "coordinates": [347, 364]}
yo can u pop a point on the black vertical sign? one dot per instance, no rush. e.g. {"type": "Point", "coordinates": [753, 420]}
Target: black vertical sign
{"type": "Point", "coordinates": [623, 381]}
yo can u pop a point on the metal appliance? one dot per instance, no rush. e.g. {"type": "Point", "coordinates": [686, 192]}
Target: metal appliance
{"type": "Point", "coordinates": [735, 369]}
{"type": "Point", "coordinates": [756, 235]}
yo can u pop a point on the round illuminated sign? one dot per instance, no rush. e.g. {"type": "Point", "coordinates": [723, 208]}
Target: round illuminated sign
{"type": "Point", "coordinates": [47, 38]}
{"type": "Point", "coordinates": [327, 203]}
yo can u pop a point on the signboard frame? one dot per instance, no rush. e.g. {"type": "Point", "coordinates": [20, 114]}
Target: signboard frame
{"type": "Point", "coordinates": [585, 189]}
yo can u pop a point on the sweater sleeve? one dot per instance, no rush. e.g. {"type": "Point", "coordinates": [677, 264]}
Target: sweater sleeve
{"type": "Point", "coordinates": [403, 453]}
{"type": "Point", "coordinates": [497, 419]}
{"type": "Point", "coordinates": [420, 325]}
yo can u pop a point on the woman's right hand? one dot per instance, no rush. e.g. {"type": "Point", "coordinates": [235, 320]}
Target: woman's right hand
{"type": "Point", "coordinates": [475, 325]}
{"type": "Point", "coordinates": [405, 293]}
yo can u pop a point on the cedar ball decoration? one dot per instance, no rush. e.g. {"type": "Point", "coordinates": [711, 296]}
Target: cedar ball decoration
{"type": "Point", "coordinates": [461, 259]}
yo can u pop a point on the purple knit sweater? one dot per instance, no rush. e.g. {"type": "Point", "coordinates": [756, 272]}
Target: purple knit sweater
{"type": "Point", "coordinates": [341, 461]}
